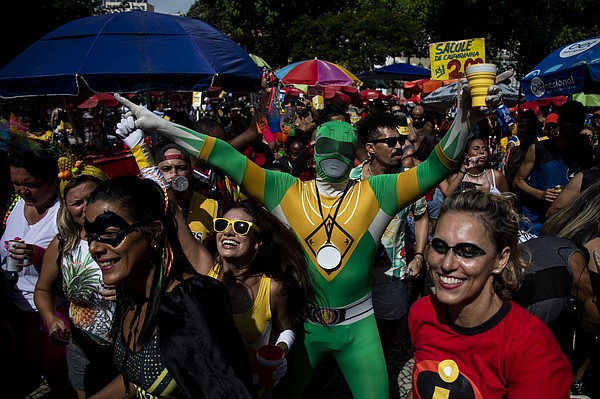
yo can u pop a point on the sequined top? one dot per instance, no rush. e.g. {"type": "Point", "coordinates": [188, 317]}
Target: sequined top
{"type": "Point", "coordinates": [146, 370]}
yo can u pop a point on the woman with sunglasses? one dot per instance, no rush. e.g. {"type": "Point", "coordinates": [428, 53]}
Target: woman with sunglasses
{"type": "Point", "coordinates": [475, 173]}
{"type": "Point", "coordinates": [173, 330]}
{"type": "Point", "coordinates": [266, 275]}
{"type": "Point", "coordinates": [469, 339]}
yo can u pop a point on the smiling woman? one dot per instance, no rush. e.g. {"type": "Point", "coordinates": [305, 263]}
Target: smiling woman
{"type": "Point", "coordinates": [261, 264]}
{"type": "Point", "coordinates": [163, 305]}
{"type": "Point", "coordinates": [469, 337]}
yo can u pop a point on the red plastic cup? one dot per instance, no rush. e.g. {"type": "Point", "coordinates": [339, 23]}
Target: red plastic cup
{"type": "Point", "coordinates": [268, 357]}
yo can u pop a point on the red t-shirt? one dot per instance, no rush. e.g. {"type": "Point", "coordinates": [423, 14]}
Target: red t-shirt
{"type": "Point", "coordinates": [512, 355]}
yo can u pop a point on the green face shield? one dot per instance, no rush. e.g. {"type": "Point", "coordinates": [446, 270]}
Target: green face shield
{"type": "Point", "coordinates": [335, 149]}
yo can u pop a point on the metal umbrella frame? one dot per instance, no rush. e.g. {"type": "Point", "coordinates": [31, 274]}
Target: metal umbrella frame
{"type": "Point", "coordinates": [445, 97]}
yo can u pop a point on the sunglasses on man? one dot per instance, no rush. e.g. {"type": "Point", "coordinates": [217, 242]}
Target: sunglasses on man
{"type": "Point", "coordinates": [240, 227]}
{"type": "Point", "coordinates": [391, 142]}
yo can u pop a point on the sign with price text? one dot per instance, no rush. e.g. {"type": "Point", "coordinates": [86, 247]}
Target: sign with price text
{"type": "Point", "coordinates": [449, 59]}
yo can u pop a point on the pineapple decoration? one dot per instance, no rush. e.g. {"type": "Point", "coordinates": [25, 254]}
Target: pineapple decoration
{"type": "Point", "coordinates": [66, 165]}
{"type": "Point", "coordinates": [69, 166]}
{"type": "Point", "coordinates": [81, 285]}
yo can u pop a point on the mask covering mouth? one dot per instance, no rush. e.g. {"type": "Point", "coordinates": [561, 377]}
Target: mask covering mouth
{"type": "Point", "coordinates": [334, 168]}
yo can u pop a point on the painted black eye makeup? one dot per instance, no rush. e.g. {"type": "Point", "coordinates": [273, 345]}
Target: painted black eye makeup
{"type": "Point", "coordinates": [463, 249]}
{"type": "Point", "coordinates": [103, 229]}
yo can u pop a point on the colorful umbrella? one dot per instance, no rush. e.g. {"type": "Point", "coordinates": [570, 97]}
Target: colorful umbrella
{"type": "Point", "coordinates": [99, 99]}
{"type": "Point", "coordinates": [129, 52]}
{"type": "Point", "coordinates": [570, 69]}
{"type": "Point", "coordinates": [317, 72]}
{"type": "Point", "coordinates": [370, 94]}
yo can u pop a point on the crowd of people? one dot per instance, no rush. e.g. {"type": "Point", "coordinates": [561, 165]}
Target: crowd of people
{"type": "Point", "coordinates": [305, 230]}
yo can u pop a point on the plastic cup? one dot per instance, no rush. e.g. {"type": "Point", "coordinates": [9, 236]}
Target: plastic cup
{"type": "Point", "coordinates": [268, 357]}
{"type": "Point", "coordinates": [480, 77]}
{"type": "Point", "coordinates": [13, 265]}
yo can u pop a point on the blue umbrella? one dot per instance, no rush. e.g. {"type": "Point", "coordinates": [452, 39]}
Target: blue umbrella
{"type": "Point", "coordinates": [570, 69]}
{"type": "Point", "coordinates": [130, 52]}
{"type": "Point", "coordinates": [399, 71]}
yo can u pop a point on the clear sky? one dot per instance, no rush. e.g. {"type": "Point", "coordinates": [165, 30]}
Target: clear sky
{"type": "Point", "coordinates": [171, 6]}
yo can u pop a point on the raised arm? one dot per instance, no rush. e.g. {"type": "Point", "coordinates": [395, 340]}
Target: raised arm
{"type": "Point", "coordinates": [46, 288]}
{"type": "Point", "coordinates": [264, 186]}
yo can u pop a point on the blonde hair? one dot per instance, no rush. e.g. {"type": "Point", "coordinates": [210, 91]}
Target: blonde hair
{"type": "Point", "coordinates": [502, 226]}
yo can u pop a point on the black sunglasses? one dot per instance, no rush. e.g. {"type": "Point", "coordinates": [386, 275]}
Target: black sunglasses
{"type": "Point", "coordinates": [97, 230]}
{"type": "Point", "coordinates": [240, 227]}
{"type": "Point", "coordinates": [389, 141]}
{"type": "Point", "coordinates": [464, 250]}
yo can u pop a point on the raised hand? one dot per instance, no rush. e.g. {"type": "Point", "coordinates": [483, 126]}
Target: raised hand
{"type": "Point", "coordinates": [143, 118]}
{"type": "Point", "coordinates": [127, 131]}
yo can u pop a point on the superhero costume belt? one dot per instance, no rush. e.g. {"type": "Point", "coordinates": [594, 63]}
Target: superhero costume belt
{"type": "Point", "coordinates": [342, 316]}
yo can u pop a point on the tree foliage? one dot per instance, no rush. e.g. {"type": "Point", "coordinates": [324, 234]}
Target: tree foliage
{"type": "Point", "coordinates": [530, 30]}
{"type": "Point", "coordinates": [358, 34]}
{"type": "Point", "coordinates": [35, 18]}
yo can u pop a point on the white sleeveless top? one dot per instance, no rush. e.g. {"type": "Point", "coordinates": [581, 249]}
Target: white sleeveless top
{"type": "Point", "coordinates": [40, 234]}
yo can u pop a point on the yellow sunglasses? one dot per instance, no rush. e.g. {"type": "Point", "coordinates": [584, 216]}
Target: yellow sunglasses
{"type": "Point", "coordinates": [240, 227]}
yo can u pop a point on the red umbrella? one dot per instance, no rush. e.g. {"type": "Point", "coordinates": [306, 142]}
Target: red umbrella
{"type": "Point", "coordinates": [370, 94]}
{"type": "Point", "coordinates": [291, 91]}
{"type": "Point", "coordinates": [99, 99]}
{"type": "Point", "coordinates": [336, 96]}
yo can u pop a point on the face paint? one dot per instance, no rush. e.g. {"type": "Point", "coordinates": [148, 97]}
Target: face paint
{"type": "Point", "coordinates": [335, 149]}
{"type": "Point", "coordinates": [104, 229]}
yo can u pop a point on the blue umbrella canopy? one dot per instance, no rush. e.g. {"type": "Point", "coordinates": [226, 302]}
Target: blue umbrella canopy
{"type": "Point", "coordinates": [130, 52]}
{"type": "Point", "coordinates": [399, 71]}
{"type": "Point", "coordinates": [567, 70]}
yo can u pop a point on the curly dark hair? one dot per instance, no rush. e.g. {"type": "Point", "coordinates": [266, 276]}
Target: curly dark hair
{"type": "Point", "coordinates": [367, 127]}
{"type": "Point", "coordinates": [282, 258]}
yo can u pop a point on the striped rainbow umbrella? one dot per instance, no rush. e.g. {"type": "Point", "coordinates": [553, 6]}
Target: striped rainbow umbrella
{"type": "Point", "coordinates": [317, 72]}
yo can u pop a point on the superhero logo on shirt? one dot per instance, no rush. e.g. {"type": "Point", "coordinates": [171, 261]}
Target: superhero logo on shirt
{"type": "Point", "coordinates": [441, 380]}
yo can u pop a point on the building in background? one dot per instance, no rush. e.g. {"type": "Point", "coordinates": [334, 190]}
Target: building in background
{"type": "Point", "coordinates": [119, 6]}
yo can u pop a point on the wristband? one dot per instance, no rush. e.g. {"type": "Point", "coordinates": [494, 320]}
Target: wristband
{"type": "Point", "coordinates": [419, 253]}
{"type": "Point", "coordinates": [287, 337]}
{"type": "Point", "coordinates": [464, 172]}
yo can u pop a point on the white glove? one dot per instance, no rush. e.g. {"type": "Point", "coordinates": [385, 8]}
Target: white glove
{"type": "Point", "coordinates": [128, 133]}
{"type": "Point", "coordinates": [143, 118]}
{"type": "Point", "coordinates": [279, 372]}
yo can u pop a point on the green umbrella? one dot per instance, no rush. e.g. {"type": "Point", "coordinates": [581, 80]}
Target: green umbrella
{"type": "Point", "coordinates": [589, 100]}
{"type": "Point", "coordinates": [259, 61]}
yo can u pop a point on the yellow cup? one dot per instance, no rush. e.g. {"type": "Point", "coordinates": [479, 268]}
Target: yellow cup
{"type": "Point", "coordinates": [480, 77]}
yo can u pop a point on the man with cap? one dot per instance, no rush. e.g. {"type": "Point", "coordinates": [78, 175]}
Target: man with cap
{"type": "Point", "coordinates": [381, 136]}
{"type": "Point", "coordinates": [175, 165]}
{"type": "Point", "coordinates": [339, 223]}
{"type": "Point", "coordinates": [550, 127]}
